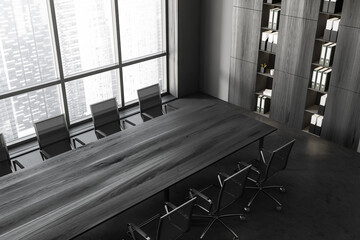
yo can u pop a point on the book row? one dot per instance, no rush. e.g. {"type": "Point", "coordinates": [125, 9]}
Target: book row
{"type": "Point", "coordinates": [316, 124]}
{"type": "Point", "coordinates": [332, 6]}
{"type": "Point", "coordinates": [327, 54]}
{"type": "Point", "coordinates": [274, 18]}
{"type": "Point", "coordinates": [269, 40]}
{"type": "Point", "coordinates": [332, 29]}
{"type": "Point", "coordinates": [320, 79]}
{"type": "Point", "coordinates": [263, 104]}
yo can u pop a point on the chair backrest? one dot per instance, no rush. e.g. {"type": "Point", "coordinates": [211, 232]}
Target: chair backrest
{"type": "Point", "coordinates": [149, 98]}
{"type": "Point", "coordinates": [232, 188]}
{"type": "Point", "coordinates": [5, 163]}
{"type": "Point", "coordinates": [176, 222]}
{"type": "Point", "coordinates": [278, 159]}
{"type": "Point", "coordinates": [105, 114]}
{"type": "Point", "coordinates": [52, 131]}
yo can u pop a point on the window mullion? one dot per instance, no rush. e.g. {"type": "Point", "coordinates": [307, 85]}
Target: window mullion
{"type": "Point", "coordinates": [59, 60]}
{"type": "Point", "coordinates": [117, 25]}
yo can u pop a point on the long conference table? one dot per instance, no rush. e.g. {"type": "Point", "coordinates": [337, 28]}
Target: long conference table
{"type": "Point", "coordinates": [75, 191]}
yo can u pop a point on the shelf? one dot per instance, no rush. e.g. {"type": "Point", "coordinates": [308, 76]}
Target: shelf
{"type": "Point", "coordinates": [318, 65]}
{"type": "Point", "coordinates": [267, 52]}
{"type": "Point", "coordinates": [266, 74]}
{"type": "Point", "coordinates": [261, 93]}
{"type": "Point", "coordinates": [312, 89]}
{"type": "Point", "coordinates": [267, 29]}
{"type": "Point", "coordinates": [313, 109]}
{"type": "Point", "coordinates": [264, 115]}
{"type": "Point", "coordinates": [306, 129]}
{"type": "Point", "coordinates": [273, 4]}
{"type": "Point", "coordinates": [321, 39]}
{"type": "Point", "coordinates": [332, 14]}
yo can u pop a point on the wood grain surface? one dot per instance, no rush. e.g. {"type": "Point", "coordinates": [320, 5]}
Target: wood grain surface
{"type": "Point", "coordinates": [296, 46]}
{"type": "Point", "coordinates": [287, 100]}
{"type": "Point", "coordinates": [245, 34]}
{"type": "Point", "coordinates": [68, 194]}
{"type": "Point", "coordinates": [242, 82]}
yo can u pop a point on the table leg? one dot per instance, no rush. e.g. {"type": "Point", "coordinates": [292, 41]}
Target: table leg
{"type": "Point", "coordinates": [167, 195]}
{"type": "Point", "coordinates": [261, 147]}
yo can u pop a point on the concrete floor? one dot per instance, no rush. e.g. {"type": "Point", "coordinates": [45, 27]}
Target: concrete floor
{"type": "Point", "coordinates": [322, 199]}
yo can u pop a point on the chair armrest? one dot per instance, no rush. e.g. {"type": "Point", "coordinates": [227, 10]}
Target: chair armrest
{"type": "Point", "coordinates": [147, 115]}
{"type": "Point", "coordinates": [242, 165]}
{"type": "Point", "coordinates": [168, 105]}
{"type": "Point", "coordinates": [129, 122]}
{"type": "Point", "coordinates": [133, 228]}
{"type": "Point", "coordinates": [194, 193]}
{"type": "Point", "coordinates": [79, 141]}
{"type": "Point", "coordinates": [44, 154]}
{"type": "Point", "coordinates": [222, 175]}
{"type": "Point", "coordinates": [169, 205]}
{"type": "Point", "coordinates": [17, 163]}
{"type": "Point", "coordinates": [101, 133]}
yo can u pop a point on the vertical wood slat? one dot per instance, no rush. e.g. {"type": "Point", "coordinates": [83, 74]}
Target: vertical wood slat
{"type": "Point", "coordinates": [342, 114]}
{"type": "Point", "coordinates": [244, 52]}
{"type": "Point", "coordinates": [342, 117]}
{"type": "Point", "coordinates": [288, 99]}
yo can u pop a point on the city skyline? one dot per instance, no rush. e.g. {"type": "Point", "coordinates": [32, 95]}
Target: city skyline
{"type": "Point", "coordinates": [87, 38]}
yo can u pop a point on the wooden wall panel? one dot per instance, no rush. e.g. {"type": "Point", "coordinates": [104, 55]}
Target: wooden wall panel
{"type": "Point", "coordinates": [308, 9]}
{"type": "Point", "coordinates": [246, 34]}
{"type": "Point", "coordinates": [288, 99]}
{"type": "Point", "coordinates": [242, 83]}
{"type": "Point", "coordinates": [346, 67]}
{"type": "Point", "coordinates": [250, 4]}
{"type": "Point", "coordinates": [296, 41]}
{"type": "Point", "coordinates": [351, 13]}
{"type": "Point", "coordinates": [342, 117]}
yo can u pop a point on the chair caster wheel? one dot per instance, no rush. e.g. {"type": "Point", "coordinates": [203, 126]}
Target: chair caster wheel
{"type": "Point", "coordinates": [247, 209]}
{"type": "Point", "coordinates": [242, 218]}
{"type": "Point", "coordinates": [282, 189]}
{"type": "Point", "coordinates": [278, 208]}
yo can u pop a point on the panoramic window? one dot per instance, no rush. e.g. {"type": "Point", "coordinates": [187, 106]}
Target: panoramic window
{"type": "Point", "coordinates": [61, 56]}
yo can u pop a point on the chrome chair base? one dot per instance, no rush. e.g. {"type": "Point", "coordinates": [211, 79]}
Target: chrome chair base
{"type": "Point", "coordinates": [263, 190]}
{"type": "Point", "coordinates": [215, 218]}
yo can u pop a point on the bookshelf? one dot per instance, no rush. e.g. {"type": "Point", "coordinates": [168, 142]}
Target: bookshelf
{"type": "Point", "coordinates": [301, 36]}
{"type": "Point", "coordinates": [270, 22]}
{"type": "Point", "coordinates": [319, 82]}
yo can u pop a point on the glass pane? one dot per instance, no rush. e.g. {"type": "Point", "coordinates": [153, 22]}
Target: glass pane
{"type": "Point", "coordinates": [26, 50]}
{"type": "Point", "coordinates": [86, 33]}
{"type": "Point", "coordinates": [141, 27]}
{"type": "Point", "coordinates": [21, 111]}
{"type": "Point", "coordinates": [143, 74]}
{"type": "Point", "coordinates": [86, 91]}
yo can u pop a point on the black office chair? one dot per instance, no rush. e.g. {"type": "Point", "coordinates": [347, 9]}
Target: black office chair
{"type": "Point", "coordinates": [263, 169]}
{"type": "Point", "coordinates": [106, 118]}
{"type": "Point", "coordinates": [7, 165]}
{"type": "Point", "coordinates": [150, 102]}
{"type": "Point", "coordinates": [214, 199]}
{"type": "Point", "coordinates": [170, 226]}
{"type": "Point", "coordinates": [53, 137]}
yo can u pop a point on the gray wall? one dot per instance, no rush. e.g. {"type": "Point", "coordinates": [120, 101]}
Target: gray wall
{"type": "Point", "coordinates": [184, 46]}
{"type": "Point", "coordinates": [216, 21]}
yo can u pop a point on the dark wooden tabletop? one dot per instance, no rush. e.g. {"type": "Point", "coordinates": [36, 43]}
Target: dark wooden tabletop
{"type": "Point", "coordinates": [70, 193]}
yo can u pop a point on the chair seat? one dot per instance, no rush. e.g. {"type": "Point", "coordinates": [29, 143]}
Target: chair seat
{"type": "Point", "coordinates": [151, 228]}
{"type": "Point", "coordinates": [5, 168]}
{"type": "Point", "coordinates": [154, 112]}
{"type": "Point", "coordinates": [58, 148]}
{"type": "Point", "coordinates": [212, 192]}
{"type": "Point", "coordinates": [110, 128]}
